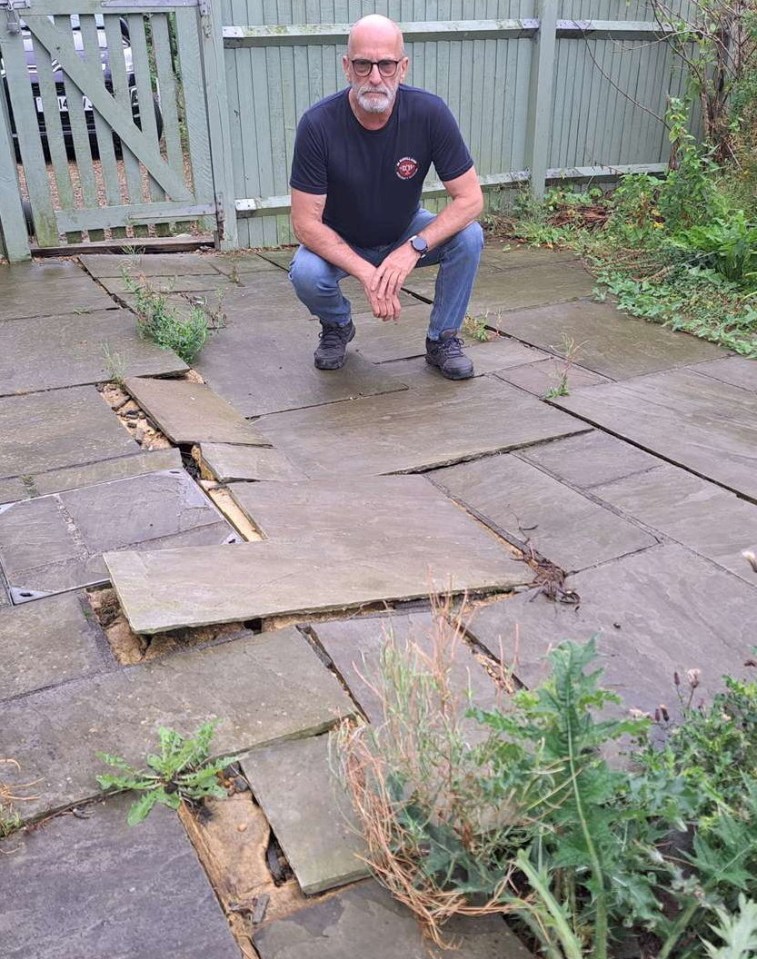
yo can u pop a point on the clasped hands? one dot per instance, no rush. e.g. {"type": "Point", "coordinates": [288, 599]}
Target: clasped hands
{"type": "Point", "coordinates": [383, 284]}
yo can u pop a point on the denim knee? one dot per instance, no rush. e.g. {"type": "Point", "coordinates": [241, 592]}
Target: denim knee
{"type": "Point", "coordinates": [470, 240]}
{"type": "Point", "coordinates": [310, 274]}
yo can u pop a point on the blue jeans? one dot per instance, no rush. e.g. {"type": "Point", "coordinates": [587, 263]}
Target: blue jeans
{"type": "Point", "coordinates": [316, 281]}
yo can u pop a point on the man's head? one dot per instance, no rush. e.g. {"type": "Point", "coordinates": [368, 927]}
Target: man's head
{"type": "Point", "coordinates": [375, 63]}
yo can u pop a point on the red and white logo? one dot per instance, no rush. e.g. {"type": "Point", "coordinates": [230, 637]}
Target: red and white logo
{"type": "Point", "coordinates": [406, 168]}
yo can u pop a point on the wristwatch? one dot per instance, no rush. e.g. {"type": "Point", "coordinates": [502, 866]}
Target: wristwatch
{"type": "Point", "coordinates": [419, 245]}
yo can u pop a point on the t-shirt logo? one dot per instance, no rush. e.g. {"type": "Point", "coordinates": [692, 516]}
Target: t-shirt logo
{"type": "Point", "coordinates": [406, 168]}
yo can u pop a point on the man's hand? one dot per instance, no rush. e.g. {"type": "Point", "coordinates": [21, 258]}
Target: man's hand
{"type": "Point", "coordinates": [387, 281]}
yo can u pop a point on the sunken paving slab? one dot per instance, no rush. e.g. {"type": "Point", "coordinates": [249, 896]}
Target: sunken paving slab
{"type": "Point", "coordinates": [735, 370]}
{"type": "Point", "coordinates": [47, 431]}
{"type": "Point", "coordinates": [190, 412]}
{"type": "Point", "coordinates": [366, 921]}
{"type": "Point", "coordinates": [531, 508]}
{"type": "Point", "coordinates": [429, 426]}
{"type": "Point", "coordinates": [51, 288]}
{"type": "Point", "coordinates": [74, 350]}
{"type": "Point", "coordinates": [549, 376]}
{"type": "Point", "coordinates": [706, 518]}
{"type": "Point", "coordinates": [354, 647]}
{"type": "Point", "coordinates": [92, 887]}
{"type": "Point", "coordinates": [266, 365]}
{"type": "Point", "coordinates": [55, 543]}
{"type": "Point", "coordinates": [309, 811]}
{"type": "Point", "coordinates": [602, 339]}
{"type": "Point", "coordinates": [331, 547]}
{"type": "Point", "coordinates": [590, 459]}
{"type": "Point", "coordinates": [228, 463]}
{"type": "Point", "coordinates": [103, 265]}
{"type": "Point", "coordinates": [49, 642]}
{"type": "Point", "coordinates": [653, 613]}
{"type": "Point", "coordinates": [498, 291]}
{"type": "Point", "coordinates": [261, 688]}
{"type": "Point", "coordinates": [692, 420]}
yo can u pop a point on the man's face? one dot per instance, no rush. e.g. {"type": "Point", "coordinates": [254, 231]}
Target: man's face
{"type": "Point", "coordinates": [374, 93]}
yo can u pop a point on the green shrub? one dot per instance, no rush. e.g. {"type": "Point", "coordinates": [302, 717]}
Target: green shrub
{"type": "Point", "coordinates": [157, 321]}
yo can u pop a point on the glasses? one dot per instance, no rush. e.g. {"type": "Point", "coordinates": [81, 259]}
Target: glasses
{"type": "Point", "coordinates": [363, 68]}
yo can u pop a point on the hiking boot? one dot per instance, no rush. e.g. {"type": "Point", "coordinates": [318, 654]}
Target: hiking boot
{"type": "Point", "coordinates": [330, 354]}
{"type": "Point", "coordinates": [447, 354]}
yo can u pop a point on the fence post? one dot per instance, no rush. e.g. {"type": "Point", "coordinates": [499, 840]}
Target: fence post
{"type": "Point", "coordinates": [539, 123]}
{"type": "Point", "coordinates": [13, 234]}
{"type": "Point", "coordinates": [218, 122]}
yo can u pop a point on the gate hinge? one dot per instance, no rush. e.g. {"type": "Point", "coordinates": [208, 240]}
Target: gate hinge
{"type": "Point", "coordinates": [204, 7]}
{"type": "Point", "coordinates": [11, 6]}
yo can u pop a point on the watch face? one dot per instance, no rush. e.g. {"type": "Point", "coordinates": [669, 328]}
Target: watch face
{"type": "Point", "coordinates": [419, 244]}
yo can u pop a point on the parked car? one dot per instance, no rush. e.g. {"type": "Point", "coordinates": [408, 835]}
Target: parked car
{"type": "Point", "coordinates": [89, 113]}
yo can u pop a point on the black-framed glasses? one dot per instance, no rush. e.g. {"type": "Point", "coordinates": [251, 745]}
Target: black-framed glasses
{"type": "Point", "coordinates": [387, 68]}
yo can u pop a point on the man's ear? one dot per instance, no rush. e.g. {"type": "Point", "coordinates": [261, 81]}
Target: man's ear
{"type": "Point", "coordinates": [346, 65]}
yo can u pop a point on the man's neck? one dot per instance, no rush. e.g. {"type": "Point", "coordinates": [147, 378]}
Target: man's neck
{"type": "Point", "coordinates": [371, 121]}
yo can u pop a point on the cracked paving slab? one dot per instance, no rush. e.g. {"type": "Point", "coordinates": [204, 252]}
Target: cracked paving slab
{"type": "Point", "coordinates": [55, 543]}
{"type": "Point", "coordinates": [430, 426]}
{"type": "Point", "coordinates": [261, 688]}
{"type": "Point", "coordinates": [330, 547]}
{"type": "Point", "coordinates": [84, 888]}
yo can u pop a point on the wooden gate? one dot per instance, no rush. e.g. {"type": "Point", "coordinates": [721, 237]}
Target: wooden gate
{"type": "Point", "coordinates": [107, 121]}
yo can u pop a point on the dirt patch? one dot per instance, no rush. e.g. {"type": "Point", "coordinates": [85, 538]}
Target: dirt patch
{"type": "Point", "coordinates": [133, 419]}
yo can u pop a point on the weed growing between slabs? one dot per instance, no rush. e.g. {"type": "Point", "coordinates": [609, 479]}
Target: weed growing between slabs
{"type": "Point", "coordinates": [589, 859]}
{"type": "Point", "coordinates": [680, 251]}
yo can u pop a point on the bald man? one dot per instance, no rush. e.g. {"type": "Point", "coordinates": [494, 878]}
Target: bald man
{"type": "Point", "coordinates": [360, 159]}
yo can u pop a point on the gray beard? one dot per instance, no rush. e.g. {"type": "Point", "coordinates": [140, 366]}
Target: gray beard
{"type": "Point", "coordinates": [374, 105]}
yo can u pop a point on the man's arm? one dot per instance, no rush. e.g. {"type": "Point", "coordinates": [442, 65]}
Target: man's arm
{"type": "Point", "coordinates": [467, 203]}
{"type": "Point", "coordinates": [308, 225]}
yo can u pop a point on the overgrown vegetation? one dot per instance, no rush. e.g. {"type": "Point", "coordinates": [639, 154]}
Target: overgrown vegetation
{"type": "Point", "coordinates": [158, 321]}
{"type": "Point", "coordinates": [589, 858]}
{"type": "Point", "coordinates": [10, 795]}
{"type": "Point", "coordinates": [181, 772]}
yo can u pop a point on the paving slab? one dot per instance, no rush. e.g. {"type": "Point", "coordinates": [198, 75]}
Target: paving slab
{"type": "Point", "coordinates": [547, 375]}
{"type": "Point", "coordinates": [52, 288]}
{"type": "Point", "coordinates": [497, 292]}
{"type": "Point", "coordinates": [309, 811]}
{"type": "Point", "coordinates": [509, 256]}
{"type": "Point", "coordinates": [328, 549]}
{"type": "Point", "coordinates": [55, 543]}
{"type": "Point", "coordinates": [606, 341]}
{"type": "Point", "coordinates": [382, 340]}
{"type": "Point", "coordinates": [74, 477]}
{"type": "Point", "coordinates": [77, 349]}
{"type": "Point", "coordinates": [261, 688]}
{"type": "Point", "coordinates": [653, 613]}
{"type": "Point", "coordinates": [532, 509]}
{"type": "Point", "coordinates": [366, 921]}
{"type": "Point", "coordinates": [708, 519]}
{"type": "Point", "coordinates": [188, 412]}
{"type": "Point", "coordinates": [93, 887]}
{"type": "Point", "coordinates": [734, 370]}
{"type": "Point", "coordinates": [102, 265]}
{"type": "Point", "coordinates": [692, 420]}
{"type": "Point", "coordinates": [48, 431]}
{"type": "Point", "coordinates": [354, 647]}
{"type": "Point", "coordinates": [238, 264]}
{"type": "Point", "coordinates": [49, 642]}
{"type": "Point", "coordinates": [209, 281]}
{"type": "Point", "coordinates": [263, 365]}
{"type": "Point", "coordinates": [12, 490]}
{"type": "Point", "coordinates": [430, 426]}
{"type": "Point", "coordinates": [590, 459]}
{"type": "Point", "coordinates": [255, 463]}
{"type": "Point", "coordinates": [496, 354]}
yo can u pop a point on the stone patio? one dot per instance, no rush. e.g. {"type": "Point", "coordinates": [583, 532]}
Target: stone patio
{"type": "Point", "coordinates": [637, 490]}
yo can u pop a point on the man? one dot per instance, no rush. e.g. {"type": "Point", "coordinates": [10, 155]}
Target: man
{"type": "Point", "coordinates": [360, 159]}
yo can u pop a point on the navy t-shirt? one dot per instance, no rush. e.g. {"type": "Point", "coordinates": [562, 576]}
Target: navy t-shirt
{"type": "Point", "coordinates": [372, 179]}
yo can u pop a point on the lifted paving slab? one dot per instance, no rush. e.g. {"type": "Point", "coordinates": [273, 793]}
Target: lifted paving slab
{"type": "Point", "coordinates": [309, 811]}
{"type": "Point", "coordinates": [706, 518]}
{"type": "Point", "coordinates": [47, 431]}
{"type": "Point", "coordinates": [55, 543]}
{"type": "Point", "coordinates": [531, 508]}
{"type": "Point", "coordinates": [366, 921]}
{"type": "Point", "coordinates": [414, 430]}
{"type": "Point", "coordinates": [93, 887]}
{"type": "Point", "coordinates": [52, 288]}
{"type": "Point", "coordinates": [331, 547]}
{"type": "Point", "coordinates": [75, 350]}
{"type": "Point", "coordinates": [264, 366]}
{"type": "Point", "coordinates": [255, 463]}
{"type": "Point", "coordinates": [261, 688]}
{"type": "Point", "coordinates": [590, 459]}
{"type": "Point", "coordinates": [190, 412]}
{"type": "Point", "coordinates": [693, 420]}
{"type": "Point", "coordinates": [655, 612]}
{"type": "Point", "coordinates": [49, 642]}
{"type": "Point", "coordinates": [607, 341]}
